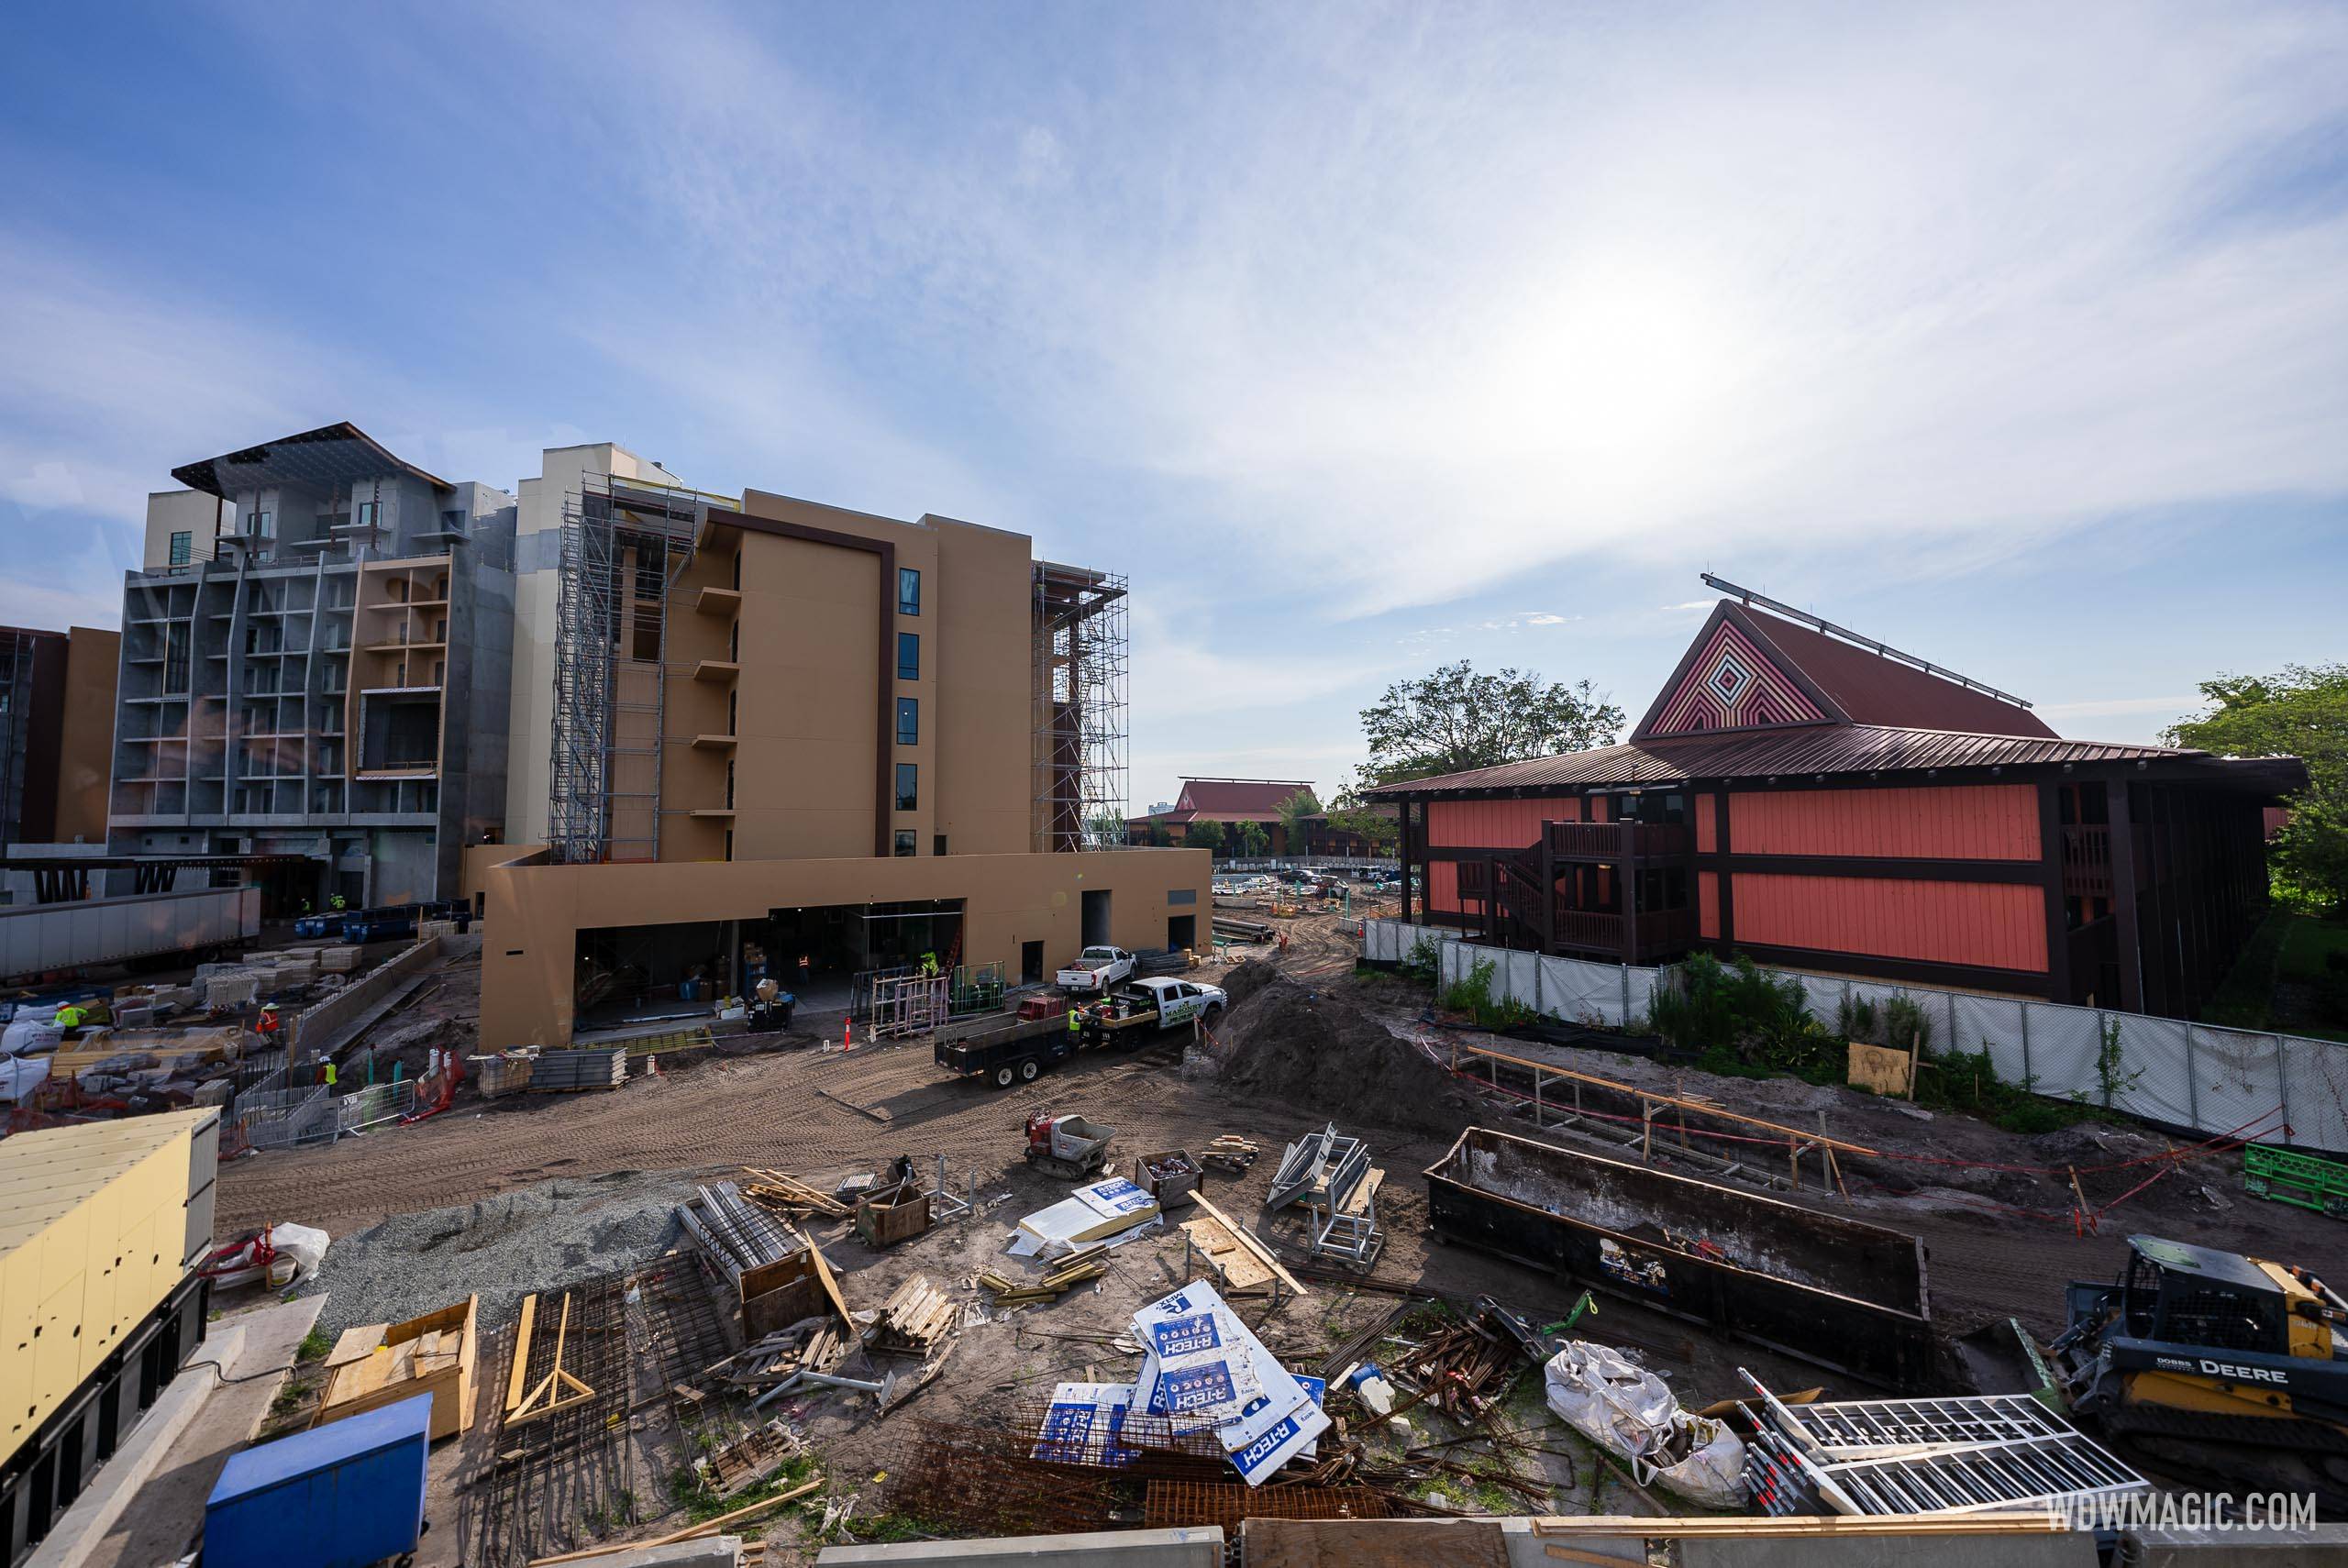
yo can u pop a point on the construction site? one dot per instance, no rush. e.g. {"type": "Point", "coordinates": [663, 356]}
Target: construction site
{"type": "Point", "coordinates": [812, 1134]}
{"type": "Point", "coordinates": [780, 1295]}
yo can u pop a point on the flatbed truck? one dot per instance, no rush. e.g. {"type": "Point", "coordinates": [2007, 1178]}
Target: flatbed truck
{"type": "Point", "coordinates": [1136, 1013]}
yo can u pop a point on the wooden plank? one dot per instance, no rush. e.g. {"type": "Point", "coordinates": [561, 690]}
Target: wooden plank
{"type": "Point", "coordinates": [356, 1344]}
{"type": "Point", "coordinates": [1263, 1253]}
{"type": "Point", "coordinates": [1682, 1103]}
{"type": "Point", "coordinates": [1235, 1263]}
{"type": "Point", "coordinates": [514, 1385]}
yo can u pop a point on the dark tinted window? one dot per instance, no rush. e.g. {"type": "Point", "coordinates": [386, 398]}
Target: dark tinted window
{"type": "Point", "coordinates": [908, 591]}
{"type": "Point", "coordinates": [908, 721]}
{"type": "Point", "coordinates": [909, 656]}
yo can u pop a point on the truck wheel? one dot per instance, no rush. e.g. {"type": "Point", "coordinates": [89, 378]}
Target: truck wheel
{"type": "Point", "coordinates": [1028, 1069]}
{"type": "Point", "coordinates": [1006, 1075]}
{"type": "Point", "coordinates": [1213, 1014]}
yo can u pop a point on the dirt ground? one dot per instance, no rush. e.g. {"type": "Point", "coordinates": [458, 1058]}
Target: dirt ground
{"type": "Point", "coordinates": [1997, 1244]}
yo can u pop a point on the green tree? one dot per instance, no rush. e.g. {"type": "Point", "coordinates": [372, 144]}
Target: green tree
{"type": "Point", "coordinates": [1455, 719]}
{"type": "Point", "coordinates": [1253, 839]}
{"type": "Point", "coordinates": [1293, 810]}
{"type": "Point", "coordinates": [1203, 833]}
{"type": "Point", "coordinates": [2302, 713]}
{"type": "Point", "coordinates": [1105, 828]}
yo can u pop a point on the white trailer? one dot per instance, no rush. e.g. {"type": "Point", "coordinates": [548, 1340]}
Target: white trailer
{"type": "Point", "coordinates": [41, 939]}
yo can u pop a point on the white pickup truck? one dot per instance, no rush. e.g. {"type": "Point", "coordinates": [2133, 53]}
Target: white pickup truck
{"type": "Point", "coordinates": [1096, 969]}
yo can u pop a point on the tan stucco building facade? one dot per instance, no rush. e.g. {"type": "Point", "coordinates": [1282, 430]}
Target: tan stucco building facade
{"type": "Point", "coordinates": [824, 723]}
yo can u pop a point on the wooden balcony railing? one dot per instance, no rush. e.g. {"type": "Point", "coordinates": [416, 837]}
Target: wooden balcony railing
{"type": "Point", "coordinates": [1657, 933]}
{"type": "Point", "coordinates": [1617, 840]}
{"type": "Point", "coordinates": [2086, 861]}
{"type": "Point", "coordinates": [1475, 879]}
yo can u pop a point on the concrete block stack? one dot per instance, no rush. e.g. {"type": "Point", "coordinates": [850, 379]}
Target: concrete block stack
{"type": "Point", "coordinates": [230, 989]}
{"type": "Point", "coordinates": [338, 960]}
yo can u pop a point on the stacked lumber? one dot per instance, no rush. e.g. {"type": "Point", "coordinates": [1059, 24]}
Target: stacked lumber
{"type": "Point", "coordinates": [1231, 1153]}
{"type": "Point", "coordinates": [579, 1067]}
{"type": "Point", "coordinates": [1084, 1264]}
{"type": "Point", "coordinates": [812, 1344]}
{"type": "Point", "coordinates": [789, 1197]}
{"type": "Point", "coordinates": [915, 1318]}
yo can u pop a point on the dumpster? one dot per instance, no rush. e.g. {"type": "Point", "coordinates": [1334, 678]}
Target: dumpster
{"type": "Point", "coordinates": [341, 1495]}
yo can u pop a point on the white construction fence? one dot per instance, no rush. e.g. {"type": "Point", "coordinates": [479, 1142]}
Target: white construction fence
{"type": "Point", "coordinates": [2185, 1074]}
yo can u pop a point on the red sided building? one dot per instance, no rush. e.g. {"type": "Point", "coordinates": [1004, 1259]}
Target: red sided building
{"type": "Point", "coordinates": [1820, 801]}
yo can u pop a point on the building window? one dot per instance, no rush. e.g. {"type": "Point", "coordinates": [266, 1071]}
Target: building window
{"type": "Point", "coordinates": [908, 591]}
{"type": "Point", "coordinates": [909, 656]}
{"type": "Point", "coordinates": [905, 843]}
{"type": "Point", "coordinates": [937, 845]}
{"type": "Point", "coordinates": [364, 513]}
{"type": "Point", "coordinates": [264, 525]}
{"type": "Point", "coordinates": [729, 844]}
{"type": "Point", "coordinates": [908, 787]}
{"type": "Point", "coordinates": [908, 721]}
{"type": "Point", "coordinates": [182, 547]}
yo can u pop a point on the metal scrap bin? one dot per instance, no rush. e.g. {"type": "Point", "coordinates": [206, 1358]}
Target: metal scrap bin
{"type": "Point", "coordinates": [1170, 1176]}
{"type": "Point", "coordinates": [340, 1495]}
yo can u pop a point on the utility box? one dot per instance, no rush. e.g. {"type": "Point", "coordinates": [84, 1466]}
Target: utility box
{"type": "Point", "coordinates": [341, 1495]}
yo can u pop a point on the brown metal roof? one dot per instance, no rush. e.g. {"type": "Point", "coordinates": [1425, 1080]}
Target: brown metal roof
{"type": "Point", "coordinates": [1812, 749]}
{"type": "Point", "coordinates": [1873, 690]}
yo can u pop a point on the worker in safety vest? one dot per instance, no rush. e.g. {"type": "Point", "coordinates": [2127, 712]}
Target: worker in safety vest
{"type": "Point", "coordinates": [929, 965]}
{"type": "Point", "coordinates": [70, 1017]}
{"type": "Point", "coordinates": [269, 1022]}
{"type": "Point", "coordinates": [1075, 1024]}
{"type": "Point", "coordinates": [337, 903]}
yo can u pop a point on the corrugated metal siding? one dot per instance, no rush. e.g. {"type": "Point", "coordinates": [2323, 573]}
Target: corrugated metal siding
{"type": "Point", "coordinates": [1494, 824]}
{"type": "Point", "coordinates": [1964, 821]}
{"type": "Point", "coordinates": [1997, 925]}
{"type": "Point", "coordinates": [1708, 903]}
{"type": "Point", "coordinates": [1705, 832]}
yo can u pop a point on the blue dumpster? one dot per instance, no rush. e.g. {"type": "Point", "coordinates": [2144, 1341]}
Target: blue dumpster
{"type": "Point", "coordinates": [342, 1495]}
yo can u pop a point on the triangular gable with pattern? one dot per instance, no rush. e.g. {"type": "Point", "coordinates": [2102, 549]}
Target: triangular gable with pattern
{"type": "Point", "coordinates": [1729, 680]}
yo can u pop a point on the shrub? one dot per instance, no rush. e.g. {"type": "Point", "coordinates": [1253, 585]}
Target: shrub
{"type": "Point", "coordinates": [1855, 1018]}
{"type": "Point", "coordinates": [1474, 997]}
{"type": "Point", "coordinates": [1737, 1014]}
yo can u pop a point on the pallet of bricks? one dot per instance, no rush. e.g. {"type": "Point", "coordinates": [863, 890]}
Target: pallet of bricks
{"type": "Point", "coordinates": [576, 1067]}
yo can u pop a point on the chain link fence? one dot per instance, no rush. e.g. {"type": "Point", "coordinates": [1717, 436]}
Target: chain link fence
{"type": "Point", "coordinates": [2163, 1070]}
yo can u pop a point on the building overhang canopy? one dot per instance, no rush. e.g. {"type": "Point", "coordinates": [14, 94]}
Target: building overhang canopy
{"type": "Point", "coordinates": [330, 456]}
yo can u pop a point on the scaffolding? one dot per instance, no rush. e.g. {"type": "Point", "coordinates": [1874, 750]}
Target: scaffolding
{"type": "Point", "coordinates": [624, 544]}
{"type": "Point", "coordinates": [1080, 655]}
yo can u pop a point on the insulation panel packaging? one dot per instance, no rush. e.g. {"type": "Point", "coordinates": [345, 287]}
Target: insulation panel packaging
{"type": "Point", "coordinates": [1201, 1366]}
{"type": "Point", "coordinates": [1097, 1212]}
{"type": "Point", "coordinates": [1083, 1425]}
{"type": "Point", "coordinates": [98, 1225]}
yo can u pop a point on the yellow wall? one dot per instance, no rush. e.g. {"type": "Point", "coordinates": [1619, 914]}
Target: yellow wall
{"type": "Point", "coordinates": [535, 912]}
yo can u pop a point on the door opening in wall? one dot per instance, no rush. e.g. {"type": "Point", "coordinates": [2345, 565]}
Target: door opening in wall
{"type": "Point", "coordinates": [1096, 917]}
{"type": "Point", "coordinates": [1182, 932]}
{"type": "Point", "coordinates": [1031, 963]}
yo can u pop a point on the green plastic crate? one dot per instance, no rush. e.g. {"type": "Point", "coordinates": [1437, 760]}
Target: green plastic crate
{"type": "Point", "coordinates": [2285, 1176]}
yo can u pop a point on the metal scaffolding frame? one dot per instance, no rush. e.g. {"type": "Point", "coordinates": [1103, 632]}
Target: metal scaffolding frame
{"type": "Point", "coordinates": [1081, 655]}
{"type": "Point", "coordinates": [624, 544]}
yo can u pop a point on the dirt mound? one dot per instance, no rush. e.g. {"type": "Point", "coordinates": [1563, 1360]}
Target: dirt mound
{"type": "Point", "coordinates": [1330, 1059]}
{"type": "Point", "coordinates": [1245, 980]}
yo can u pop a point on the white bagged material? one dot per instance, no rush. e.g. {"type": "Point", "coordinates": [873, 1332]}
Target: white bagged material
{"type": "Point", "coordinates": [1625, 1409]}
{"type": "Point", "coordinates": [1201, 1366]}
{"type": "Point", "coordinates": [305, 1246]}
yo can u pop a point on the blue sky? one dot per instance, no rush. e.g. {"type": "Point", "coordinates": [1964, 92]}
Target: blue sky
{"type": "Point", "coordinates": [1362, 338]}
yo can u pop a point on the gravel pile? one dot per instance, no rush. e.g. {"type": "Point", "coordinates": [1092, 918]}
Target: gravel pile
{"type": "Point", "coordinates": [535, 1238]}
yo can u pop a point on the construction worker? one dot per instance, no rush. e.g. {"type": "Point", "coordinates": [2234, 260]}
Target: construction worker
{"type": "Point", "coordinates": [928, 965]}
{"type": "Point", "coordinates": [70, 1017]}
{"type": "Point", "coordinates": [337, 903]}
{"type": "Point", "coordinates": [267, 1024]}
{"type": "Point", "coordinates": [327, 1074]}
{"type": "Point", "coordinates": [1074, 1026]}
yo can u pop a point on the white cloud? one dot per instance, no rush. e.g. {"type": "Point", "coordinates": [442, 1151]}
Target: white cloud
{"type": "Point", "coordinates": [1910, 287]}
